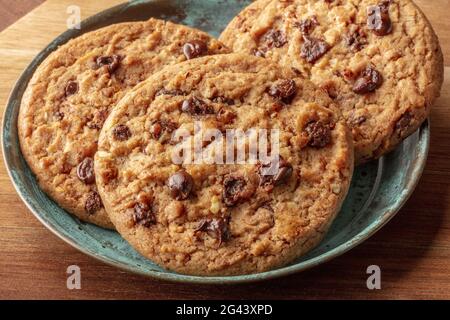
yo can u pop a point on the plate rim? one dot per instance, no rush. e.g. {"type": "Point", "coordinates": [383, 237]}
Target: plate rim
{"type": "Point", "coordinates": [356, 240]}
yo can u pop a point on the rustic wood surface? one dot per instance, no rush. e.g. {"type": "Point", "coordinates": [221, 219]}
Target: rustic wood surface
{"type": "Point", "coordinates": [413, 250]}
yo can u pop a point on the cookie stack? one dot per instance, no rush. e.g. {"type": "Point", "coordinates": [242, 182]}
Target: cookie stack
{"type": "Point", "coordinates": [335, 82]}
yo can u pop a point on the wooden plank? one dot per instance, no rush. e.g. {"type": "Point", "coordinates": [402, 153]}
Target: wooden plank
{"type": "Point", "coordinates": [413, 250]}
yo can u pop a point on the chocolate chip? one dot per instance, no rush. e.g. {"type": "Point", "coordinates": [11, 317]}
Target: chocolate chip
{"type": "Point", "coordinates": [284, 173]}
{"type": "Point", "coordinates": [275, 39]}
{"type": "Point", "coordinates": [307, 25]}
{"type": "Point", "coordinates": [355, 39]}
{"type": "Point", "coordinates": [93, 203]}
{"type": "Point", "coordinates": [217, 228]}
{"type": "Point", "coordinates": [180, 185]}
{"type": "Point", "coordinates": [235, 190]}
{"type": "Point", "coordinates": [196, 107]}
{"type": "Point", "coordinates": [144, 214]}
{"type": "Point", "coordinates": [403, 123]}
{"type": "Point", "coordinates": [160, 127]}
{"type": "Point", "coordinates": [195, 49]}
{"type": "Point", "coordinates": [271, 39]}
{"type": "Point", "coordinates": [319, 134]}
{"type": "Point", "coordinates": [283, 90]}
{"type": "Point", "coordinates": [85, 171]}
{"type": "Point", "coordinates": [71, 88]}
{"type": "Point", "coordinates": [313, 49]}
{"type": "Point", "coordinates": [172, 92]}
{"type": "Point", "coordinates": [378, 19]}
{"type": "Point", "coordinates": [111, 62]}
{"type": "Point", "coordinates": [270, 176]}
{"type": "Point", "coordinates": [121, 132]}
{"type": "Point", "coordinates": [368, 81]}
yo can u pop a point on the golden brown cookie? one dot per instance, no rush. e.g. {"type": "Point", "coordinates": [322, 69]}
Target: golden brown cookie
{"type": "Point", "coordinates": [208, 217]}
{"type": "Point", "coordinates": [73, 91]}
{"type": "Point", "coordinates": [380, 60]}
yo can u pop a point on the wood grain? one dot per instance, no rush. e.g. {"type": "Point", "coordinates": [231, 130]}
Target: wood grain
{"type": "Point", "coordinates": [413, 250]}
{"type": "Point", "coordinates": [10, 10]}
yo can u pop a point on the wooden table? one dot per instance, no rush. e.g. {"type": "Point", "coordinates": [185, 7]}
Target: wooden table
{"type": "Point", "coordinates": [413, 250]}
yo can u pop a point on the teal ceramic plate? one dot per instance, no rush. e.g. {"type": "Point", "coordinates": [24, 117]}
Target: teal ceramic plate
{"type": "Point", "coordinates": [378, 191]}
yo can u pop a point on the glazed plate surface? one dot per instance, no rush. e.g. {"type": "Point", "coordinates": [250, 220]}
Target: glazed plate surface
{"type": "Point", "coordinates": [379, 189]}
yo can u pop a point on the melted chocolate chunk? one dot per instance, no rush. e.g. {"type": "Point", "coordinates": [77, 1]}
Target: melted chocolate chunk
{"type": "Point", "coordinates": [180, 185]}
{"type": "Point", "coordinates": [121, 132]}
{"type": "Point", "coordinates": [313, 49]}
{"type": "Point", "coordinates": [306, 26]}
{"type": "Point", "coordinates": [378, 20]}
{"type": "Point", "coordinates": [85, 171]}
{"type": "Point", "coordinates": [71, 88]}
{"type": "Point", "coordinates": [274, 39]}
{"type": "Point", "coordinates": [195, 49]}
{"type": "Point", "coordinates": [144, 214]}
{"type": "Point", "coordinates": [196, 107]}
{"type": "Point", "coordinates": [111, 62]}
{"type": "Point", "coordinates": [235, 190]}
{"type": "Point", "coordinates": [271, 176]}
{"type": "Point", "coordinates": [319, 134]}
{"type": "Point", "coordinates": [402, 125]}
{"type": "Point", "coordinates": [284, 90]}
{"type": "Point", "coordinates": [93, 203]}
{"type": "Point", "coordinates": [217, 228]}
{"type": "Point", "coordinates": [368, 81]}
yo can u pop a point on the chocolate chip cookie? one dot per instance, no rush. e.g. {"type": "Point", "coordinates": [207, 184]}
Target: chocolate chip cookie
{"type": "Point", "coordinates": [379, 60]}
{"type": "Point", "coordinates": [73, 91]}
{"type": "Point", "coordinates": [236, 207]}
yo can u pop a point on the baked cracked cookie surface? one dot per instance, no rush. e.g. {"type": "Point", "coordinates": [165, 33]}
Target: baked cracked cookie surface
{"type": "Point", "coordinates": [379, 60]}
{"type": "Point", "coordinates": [205, 216]}
{"type": "Point", "coordinates": [73, 91]}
